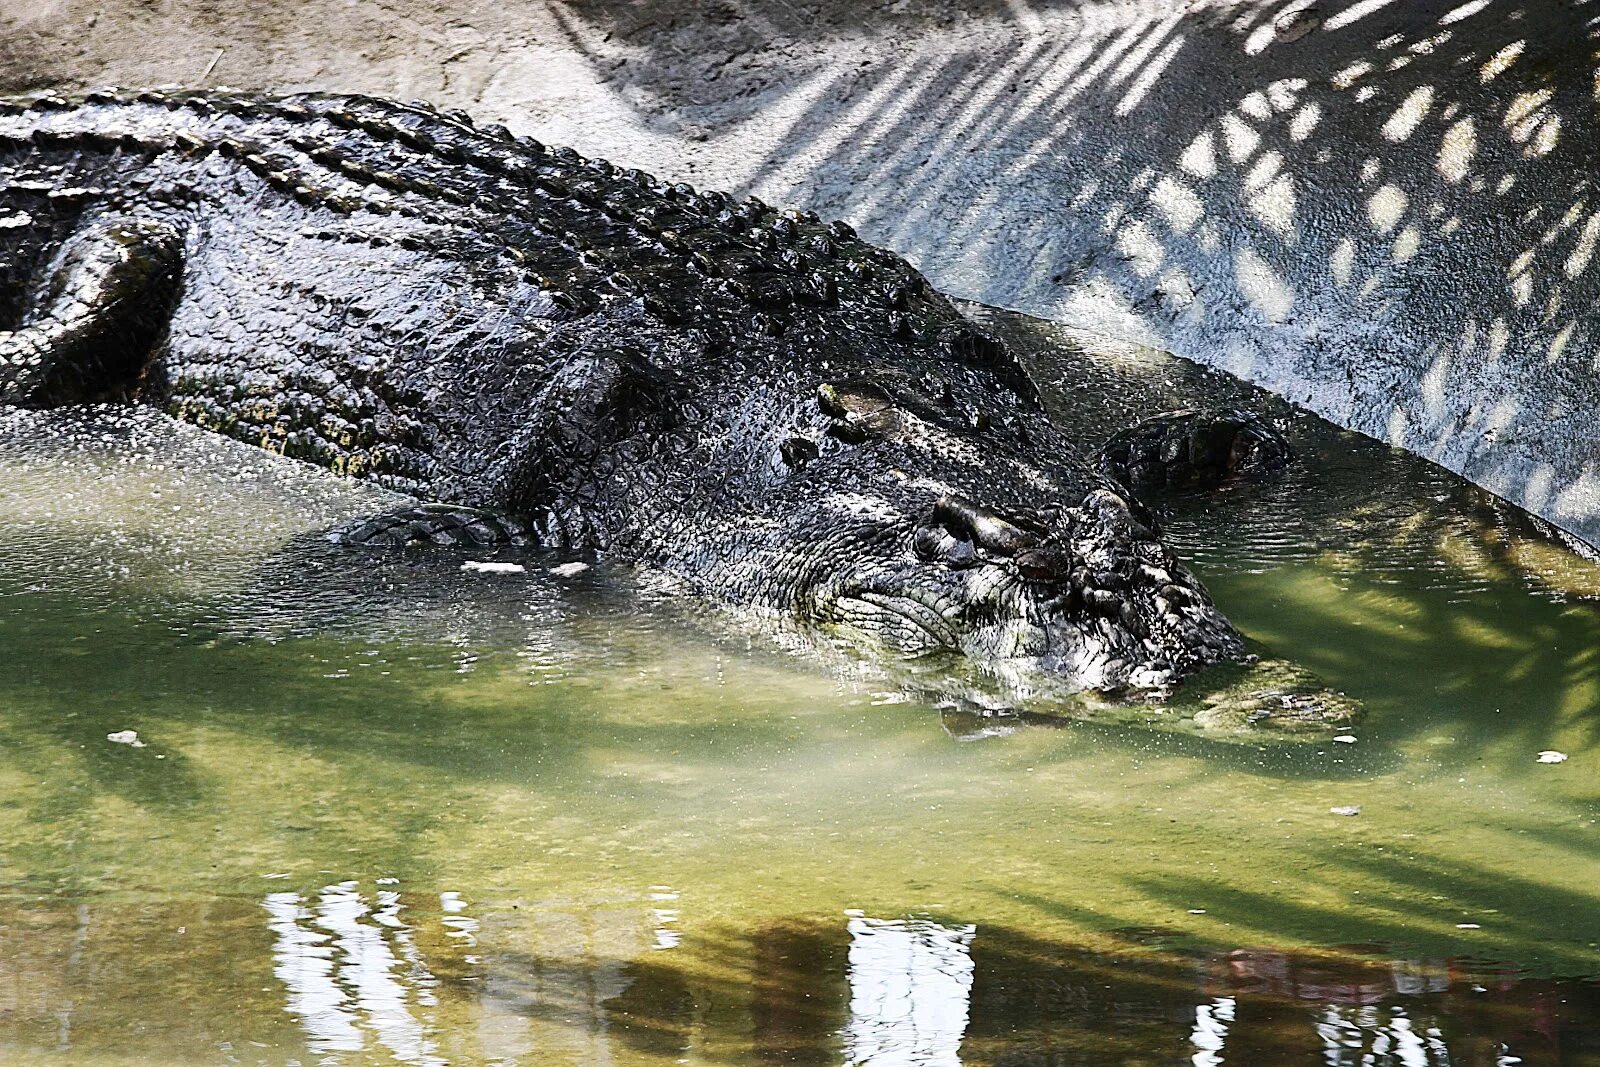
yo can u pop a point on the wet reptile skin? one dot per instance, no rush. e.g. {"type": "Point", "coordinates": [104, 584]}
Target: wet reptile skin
{"type": "Point", "coordinates": [752, 401]}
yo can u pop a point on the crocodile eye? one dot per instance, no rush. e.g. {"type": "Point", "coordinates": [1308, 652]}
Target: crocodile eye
{"type": "Point", "coordinates": [859, 409]}
{"type": "Point", "coordinates": [982, 526]}
{"type": "Point", "coordinates": [853, 398]}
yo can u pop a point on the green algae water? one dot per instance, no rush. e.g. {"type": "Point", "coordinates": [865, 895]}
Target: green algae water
{"type": "Point", "coordinates": [270, 806]}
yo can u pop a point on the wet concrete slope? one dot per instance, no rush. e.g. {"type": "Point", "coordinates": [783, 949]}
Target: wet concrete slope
{"type": "Point", "coordinates": [1382, 209]}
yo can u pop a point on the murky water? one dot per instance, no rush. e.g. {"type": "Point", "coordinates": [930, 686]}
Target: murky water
{"type": "Point", "coordinates": [393, 812]}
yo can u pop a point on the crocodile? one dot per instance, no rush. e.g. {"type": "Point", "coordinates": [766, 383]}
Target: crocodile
{"type": "Point", "coordinates": [552, 351]}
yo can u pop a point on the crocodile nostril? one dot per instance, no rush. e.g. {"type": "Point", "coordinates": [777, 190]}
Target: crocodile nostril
{"type": "Point", "coordinates": [937, 544]}
{"type": "Point", "coordinates": [929, 543]}
{"type": "Point", "coordinates": [961, 555]}
{"type": "Point", "coordinates": [981, 526]}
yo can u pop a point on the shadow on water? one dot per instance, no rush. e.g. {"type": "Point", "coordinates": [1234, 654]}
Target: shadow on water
{"type": "Point", "coordinates": [401, 703]}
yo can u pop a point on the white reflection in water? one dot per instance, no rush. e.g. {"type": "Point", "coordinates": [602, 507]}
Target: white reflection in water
{"type": "Point", "coordinates": [667, 936]}
{"type": "Point", "coordinates": [463, 928]}
{"type": "Point", "coordinates": [350, 967]}
{"type": "Point", "coordinates": [1210, 1033]}
{"type": "Point", "coordinates": [1380, 1035]}
{"type": "Point", "coordinates": [910, 989]}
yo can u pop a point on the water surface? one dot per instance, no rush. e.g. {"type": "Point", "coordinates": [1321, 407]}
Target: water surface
{"type": "Point", "coordinates": [386, 811]}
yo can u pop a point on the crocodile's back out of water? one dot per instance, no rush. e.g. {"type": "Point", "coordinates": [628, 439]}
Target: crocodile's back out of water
{"type": "Point", "coordinates": [755, 402]}
{"type": "Point", "coordinates": [364, 280]}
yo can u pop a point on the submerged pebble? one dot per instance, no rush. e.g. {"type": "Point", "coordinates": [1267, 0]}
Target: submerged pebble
{"type": "Point", "coordinates": [1346, 809]}
{"type": "Point", "coordinates": [125, 737]}
{"type": "Point", "coordinates": [1552, 756]}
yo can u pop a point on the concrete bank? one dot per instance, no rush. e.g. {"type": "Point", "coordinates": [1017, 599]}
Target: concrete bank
{"type": "Point", "coordinates": [1381, 209]}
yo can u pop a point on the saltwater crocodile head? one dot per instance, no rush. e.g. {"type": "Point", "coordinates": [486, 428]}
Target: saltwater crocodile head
{"type": "Point", "coordinates": [1039, 593]}
{"type": "Point", "coordinates": [914, 526]}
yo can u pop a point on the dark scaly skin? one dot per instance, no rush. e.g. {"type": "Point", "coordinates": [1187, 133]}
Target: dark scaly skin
{"type": "Point", "coordinates": [753, 402]}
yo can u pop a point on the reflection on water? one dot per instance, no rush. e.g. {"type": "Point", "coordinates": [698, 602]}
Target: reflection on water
{"type": "Point", "coordinates": [1210, 1034]}
{"type": "Point", "coordinates": [351, 967]}
{"type": "Point", "coordinates": [363, 985]}
{"type": "Point", "coordinates": [910, 986]}
{"type": "Point", "coordinates": [392, 812]}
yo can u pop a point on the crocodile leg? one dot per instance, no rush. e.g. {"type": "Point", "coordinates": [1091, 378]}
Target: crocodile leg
{"type": "Point", "coordinates": [597, 397]}
{"type": "Point", "coordinates": [96, 313]}
{"type": "Point", "coordinates": [1192, 450]}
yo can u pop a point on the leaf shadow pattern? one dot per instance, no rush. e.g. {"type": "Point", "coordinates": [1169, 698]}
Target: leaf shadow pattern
{"type": "Point", "coordinates": [1279, 189]}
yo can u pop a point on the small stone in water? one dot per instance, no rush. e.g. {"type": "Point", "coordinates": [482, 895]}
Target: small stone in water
{"type": "Point", "coordinates": [1468, 926]}
{"type": "Point", "coordinates": [1346, 809]}
{"type": "Point", "coordinates": [1346, 739]}
{"type": "Point", "coordinates": [492, 567]}
{"type": "Point", "coordinates": [567, 570]}
{"type": "Point", "coordinates": [1197, 911]}
{"type": "Point", "coordinates": [1552, 756]}
{"type": "Point", "coordinates": [126, 737]}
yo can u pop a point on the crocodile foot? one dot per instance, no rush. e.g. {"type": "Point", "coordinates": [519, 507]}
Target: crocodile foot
{"type": "Point", "coordinates": [444, 525]}
{"type": "Point", "coordinates": [1193, 450]}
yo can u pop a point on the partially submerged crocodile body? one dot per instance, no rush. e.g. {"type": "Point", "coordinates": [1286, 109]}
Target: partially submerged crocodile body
{"type": "Point", "coordinates": [553, 350]}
